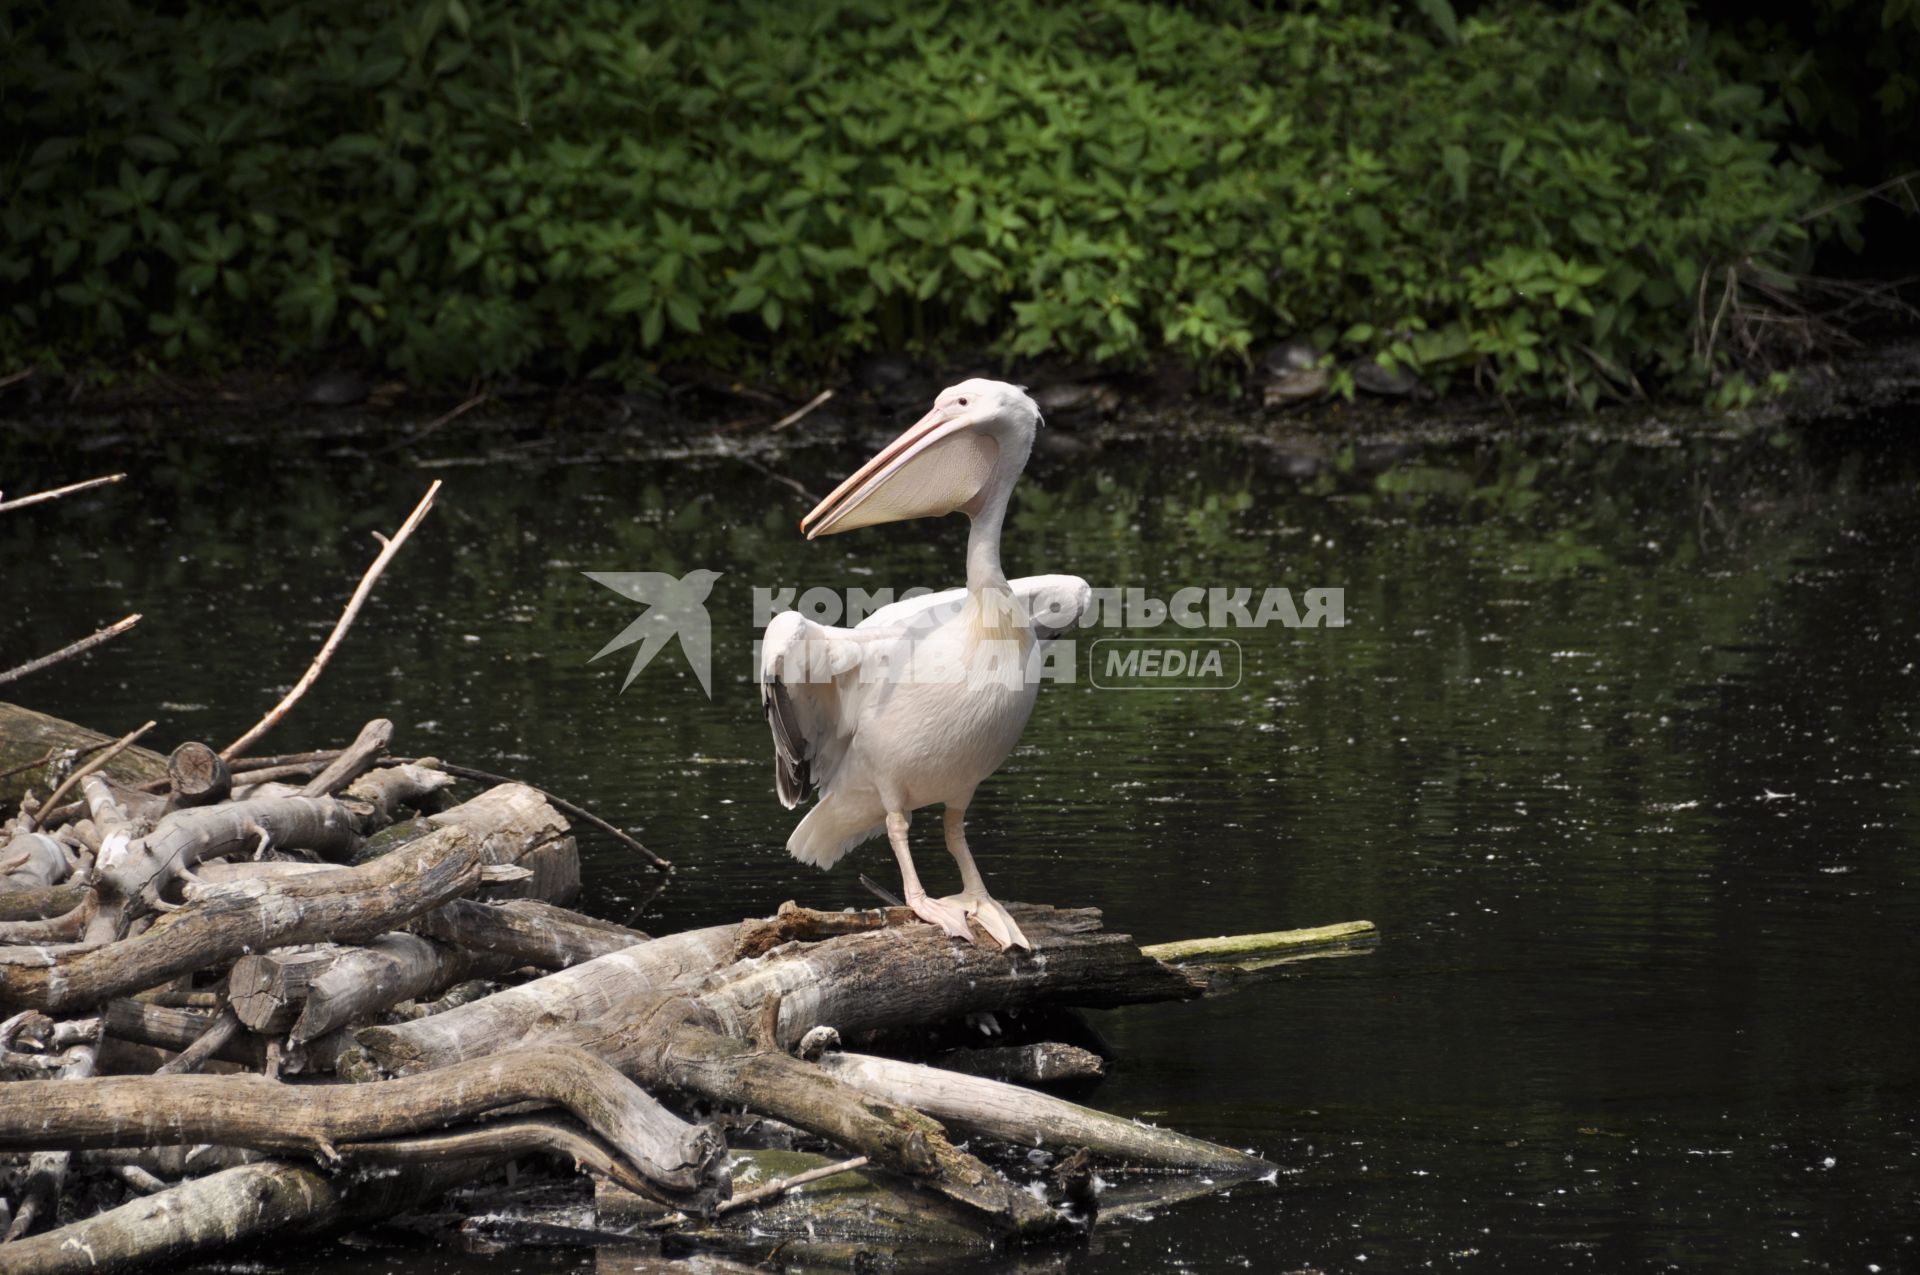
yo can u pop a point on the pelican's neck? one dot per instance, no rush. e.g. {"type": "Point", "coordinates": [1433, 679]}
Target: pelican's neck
{"type": "Point", "coordinates": [983, 545]}
{"type": "Point", "coordinates": [992, 607]}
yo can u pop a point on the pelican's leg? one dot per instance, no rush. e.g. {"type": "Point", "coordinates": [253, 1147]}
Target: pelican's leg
{"type": "Point", "coordinates": [973, 898]}
{"type": "Point", "coordinates": [946, 915]}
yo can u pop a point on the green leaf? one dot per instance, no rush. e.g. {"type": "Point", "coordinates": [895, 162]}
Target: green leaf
{"type": "Point", "coordinates": [1455, 161]}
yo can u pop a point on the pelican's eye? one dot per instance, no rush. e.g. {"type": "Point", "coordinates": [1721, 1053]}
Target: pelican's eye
{"type": "Point", "coordinates": [961, 401]}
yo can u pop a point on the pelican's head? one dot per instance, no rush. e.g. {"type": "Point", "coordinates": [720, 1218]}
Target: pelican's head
{"type": "Point", "coordinates": [973, 443]}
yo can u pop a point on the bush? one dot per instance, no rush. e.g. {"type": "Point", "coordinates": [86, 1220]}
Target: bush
{"type": "Point", "coordinates": [1554, 202]}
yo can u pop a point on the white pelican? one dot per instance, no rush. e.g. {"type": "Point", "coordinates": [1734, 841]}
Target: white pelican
{"type": "Point", "coordinates": [924, 698]}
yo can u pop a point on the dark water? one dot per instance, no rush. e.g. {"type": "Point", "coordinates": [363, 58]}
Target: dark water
{"type": "Point", "coordinates": [1619, 749]}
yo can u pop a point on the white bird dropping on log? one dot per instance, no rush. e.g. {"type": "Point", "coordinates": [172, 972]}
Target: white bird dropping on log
{"type": "Point", "coordinates": [926, 698]}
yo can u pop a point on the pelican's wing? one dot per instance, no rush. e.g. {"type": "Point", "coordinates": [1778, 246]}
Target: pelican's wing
{"type": "Point", "coordinates": [809, 687]}
{"type": "Point", "coordinates": [1055, 604]}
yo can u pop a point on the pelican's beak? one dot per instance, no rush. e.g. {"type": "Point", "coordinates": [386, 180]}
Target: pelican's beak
{"type": "Point", "coordinates": [936, 467]}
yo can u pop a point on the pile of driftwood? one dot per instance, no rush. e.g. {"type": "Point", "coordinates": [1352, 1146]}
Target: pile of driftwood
{"type": "Point", "coordinates": [252, 998]}
{"type": "Point", "coordinates": [244, 1007]}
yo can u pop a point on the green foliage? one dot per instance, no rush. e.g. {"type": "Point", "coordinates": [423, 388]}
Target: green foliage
{"type": "Point", "coordinates": [467, 189]}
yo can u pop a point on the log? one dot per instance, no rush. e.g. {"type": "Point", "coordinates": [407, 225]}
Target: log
{"type": "Point", "coordinates": [909, 974]}
{"type": "Point", "coordinates": [31, 905]}
{"type": "Point", "coordinates": [1022, 1117]}
{"type": "Point", "coordinates": [34, 861]}
{"type": "Point", "coordinates": [143, 1111]}
{"type": "Point", "coordinates": [168, 1028]}
{"type": "Point", "coordinates": [138, 872]}
{"type": "Point", "coordinates": [195, 1056]}
{"type": "Point", "coordinates": [248, 1202]}
{"type": "Point", "coordinates": [350, 905]}
{"type": "Point", "coordinates": [844, 1205]}
{"type": "Point", "coordinates": [1237, 948]}
{"type": "Point", "coordinates": [531, 931]}
{"type": "Point", "coordinates": [267, 990]}
{"type": "Point", "coordinates": [345, 905]}
{"type": "Point", "coordinates": [40, 1194]}
{"type": "Point", "coordinates": [604, 985]}
{"type": "Point", "coordinates": [507, 1140]}
{"type": "Point", "coordinates": [723, 1069]}
{"type": "Point", "coordinates": [1042, 1063]}
{"type": "Point", "coordinates": [553, 875]}
{"type": "Point", "coordinates": [361, 981]}
{"type": "Point", "coordinates": [69, 927]}
{"type": "Point", "coordinates": [196, 776]}
{"type": "Point", "coordinates": [36, 751]}
{"type": "Point", "coordinates": [131, 877]}
{"type": "Point", "coordinates": [355, 760]}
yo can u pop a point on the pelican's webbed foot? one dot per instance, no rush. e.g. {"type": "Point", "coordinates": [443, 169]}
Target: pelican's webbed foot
{"type": "Point", "coordinates": [944, 913]}
{"type": "Point", "coordinates": [994, 919]}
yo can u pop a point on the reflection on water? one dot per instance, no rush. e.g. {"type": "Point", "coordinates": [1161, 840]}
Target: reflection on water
{"type": "Point", "coordinates": [1618, 748]}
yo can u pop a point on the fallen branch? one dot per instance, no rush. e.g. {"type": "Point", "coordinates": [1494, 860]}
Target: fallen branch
{"type": "Point", "coordinates": [388, 547]}
{"type": "Point", "coordinates": [560, 803]}
{"type": "Point", "coordinates": [506, 1140]}
{"type": "Point", "coordinates": [247, 1202]}
{"type": "Point", "coordinates": [70, 650]}
{"type": "Point", "coordinates": [800, 413]}
{"type": "Point", "coordinates": [1022, 1117]}
{"type": "Point", "coordinates": [93, 763]}
{"type": "Point", "coordinates": [7, 506]}
{"type": "Point", "coordinates": [142, 1111]}
{"type": "Point", "coordinates": [779, 1187]}
{"type": "Point", "coordinates": [348, 904]}
{"type": "Point", "coordinates": [1243, 947]}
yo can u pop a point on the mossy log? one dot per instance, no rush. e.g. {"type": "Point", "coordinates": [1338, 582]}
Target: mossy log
{"type": "Point", "coordinates": [37, 752]}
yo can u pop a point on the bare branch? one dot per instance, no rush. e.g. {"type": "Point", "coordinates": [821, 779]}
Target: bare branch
{"type": "Point", "coordinates": [72, 649]}
{"type": "Point", "coordinates": [57, 492]}
{"type": "Point", "coordinates": [354, 604]}
{"type": "Point", "coordinates": [98, 760]}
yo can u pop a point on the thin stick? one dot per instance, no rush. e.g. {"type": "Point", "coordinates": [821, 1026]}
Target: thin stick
{"type": "Point", "coordinates": [72, 649]}
{"type": "Point", "coordinates": [16, 378]}
{"type": "Point", "coordinates": [387, 549]}
{"type": "Point", "coordinates": [481, 776]}
{"type": "Point", "coordinates": [885, 895]}
{"type": "Point", "coordinates": [751, 463]}
{"type": "Point", "coordinates": [57, 492]}
{"type": "Point", "coordinates": [100, 759]}
{"type": "Point", "coordinates": [800, 413]}
{"type": "Point", "coordinates": [772, 1190]}
{"type": "Point", "coordinates": [434, 424]}
{"type": "Point", "coordinates": [195, 1056]}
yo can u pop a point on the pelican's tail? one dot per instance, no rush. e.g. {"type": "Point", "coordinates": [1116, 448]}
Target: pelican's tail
{"type": "Point", "coordinates": [832, 828]}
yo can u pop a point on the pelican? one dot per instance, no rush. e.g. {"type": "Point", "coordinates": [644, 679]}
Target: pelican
{"type": "Point", "coordinates": [924, 699]}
